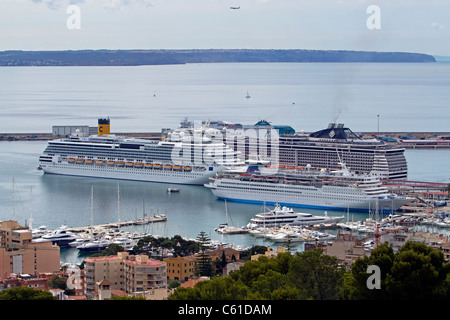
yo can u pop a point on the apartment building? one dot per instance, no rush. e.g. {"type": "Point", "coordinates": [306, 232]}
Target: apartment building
{"type": "Point", "coordinates": [20, 255]}
{"type": "Point", "coordinates": [180, 268]}
{"type": "Point", "coordinates": [135, 275]}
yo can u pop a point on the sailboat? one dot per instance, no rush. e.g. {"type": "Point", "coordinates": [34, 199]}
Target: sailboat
{"type": "Point", "coordinates": [225, 228]}
{"type": "Point", "coordinates": [142, 220]}
{"type": "Point", "coordinates": [247, 96]}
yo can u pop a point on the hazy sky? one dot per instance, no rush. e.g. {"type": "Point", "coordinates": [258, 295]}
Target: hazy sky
{"type": "Point", "coordinates": [404, 25]}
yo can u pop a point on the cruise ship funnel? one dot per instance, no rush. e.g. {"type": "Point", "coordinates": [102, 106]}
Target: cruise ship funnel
{"type": "Point", "coordinates": [103, 126]}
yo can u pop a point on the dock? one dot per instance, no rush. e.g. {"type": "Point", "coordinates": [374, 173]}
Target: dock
{"type": "Point", "coordinates": [119, 224]}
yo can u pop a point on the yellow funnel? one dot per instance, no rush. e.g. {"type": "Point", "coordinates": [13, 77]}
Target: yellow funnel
{"type": "Point", "coordinates": [103, 126]}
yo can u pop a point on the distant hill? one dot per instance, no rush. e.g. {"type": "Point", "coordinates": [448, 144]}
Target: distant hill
{"type": "Point", "coordinates": [158, 57]}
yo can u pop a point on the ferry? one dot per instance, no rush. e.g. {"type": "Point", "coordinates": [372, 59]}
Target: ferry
{"type": "Point", "coordinates": [182, 159]}
{"type": "Point", "coordinates": [316, 188]}
{"type": "Point", "coordinates": [282, 215]}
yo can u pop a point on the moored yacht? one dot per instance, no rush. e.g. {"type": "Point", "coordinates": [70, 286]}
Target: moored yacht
{"type": "Point", "coordinates": [284, 215]}
{"type": "Point", "coordinates": [60, 237]}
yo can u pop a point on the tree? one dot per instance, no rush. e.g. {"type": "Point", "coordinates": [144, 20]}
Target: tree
{"type": "Point", "coordinates": [25, 293]}
{"type": "Point", "coordinates": [204, 263]}
{"type": "Point", "coordinates": [415, 272]}
{"type": "Point", "coordinates": [57, 282]}
{"type": "Point", "coordinates": [174, 284]}
{"type": "Point", "coordinates": [317, 275]}
{"type": "Point", "coordinates": [418, 273]}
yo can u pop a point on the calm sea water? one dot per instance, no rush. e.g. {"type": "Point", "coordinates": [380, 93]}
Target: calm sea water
{"type": "Point", "coordinates": [408, 97]}
{"type": "Point", "coordinates": [307, 96]}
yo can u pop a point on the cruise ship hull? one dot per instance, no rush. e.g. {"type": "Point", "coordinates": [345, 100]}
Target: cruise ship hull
{"type": "Point", "coordinates": [309, 197]}
{"type": "Point", "coordinates": [183, 159]}
{"type": "Point", "coordinates": [142, 174]}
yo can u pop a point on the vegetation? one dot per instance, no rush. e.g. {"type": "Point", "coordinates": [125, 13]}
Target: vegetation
{"type": "Point", "coordinates": [25, 293]}
{"type": "Point", "coordinates": [178, 246]}
{"type": "Point", "coordinates": [416, 271]}
{"type": "Point", "coordinates": [203, 266]}
{"type": "Point", "coordinates": [157, 57]}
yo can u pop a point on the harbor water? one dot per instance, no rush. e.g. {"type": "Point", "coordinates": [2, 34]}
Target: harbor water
{"type": "Point", "coordinates": [408, 97]}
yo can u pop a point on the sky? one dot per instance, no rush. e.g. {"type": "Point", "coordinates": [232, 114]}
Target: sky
{"type": "Point", "coordinates": [396, 25]}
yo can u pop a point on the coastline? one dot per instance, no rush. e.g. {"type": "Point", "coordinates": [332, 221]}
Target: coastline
{"type": "Point", "coordinates": [419, 139]}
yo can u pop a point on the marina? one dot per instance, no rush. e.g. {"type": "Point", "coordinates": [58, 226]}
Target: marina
{"type": "Point", "coordinates": [56, 200]}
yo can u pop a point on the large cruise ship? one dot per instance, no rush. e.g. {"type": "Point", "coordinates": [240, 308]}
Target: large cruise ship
{"type": "Point", "coordinates": [185, 158]}
{"type": "Point", "coordinates": [324, 148]}
{"type": "Point", "coordinates": [306, 187]}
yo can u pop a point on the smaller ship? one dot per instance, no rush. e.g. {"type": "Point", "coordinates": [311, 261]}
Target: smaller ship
{"type": "Point", "coordinates": [60, 237]}
{"type": "Point", "coordinates": [94, 246]}
{"type": "Point", "coordinates": [286, 216]}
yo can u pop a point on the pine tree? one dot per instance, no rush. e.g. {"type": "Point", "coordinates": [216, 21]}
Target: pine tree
{"type": "Point", "coordinates": [204, 263]}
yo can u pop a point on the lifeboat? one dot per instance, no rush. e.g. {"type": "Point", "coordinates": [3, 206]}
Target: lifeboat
{"type": "Point", "coordinates": [148, 165]}
{"type": "Point", "coordinates": [129, 164]}
{"type": "Point", "coordinates": [138, 164]}
{"type": "Point", "coordinates": [120, 163]}
{"type": "Point", "coordinates": [100, 162]}
{"type": "Point", "coordinates": [167, 166]}
{"type": "Point", "coordinates": [110, 163]}
{"type": "Point", "coordinates": [176, 167]}
{"type": "Point", "coordinates": [71, 160]}
{"type": "Point", "coordinates": [89, 161]}
{"type": "Point", "coordinates": [79, 161]}
{"type": "Point", "coordinates": [187, 168]}
{"type": "Point", "coordinates": [157, 166]}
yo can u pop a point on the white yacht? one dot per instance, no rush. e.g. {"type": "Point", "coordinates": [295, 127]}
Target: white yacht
{"type": "Point", "coordinates": [60, 237]}
{"type": "Point", "coordinates": [283, 215]}
{"type": "Point", "coordinates": [39, 232]}
{"type": "Point", "coordinates": [95, 245]}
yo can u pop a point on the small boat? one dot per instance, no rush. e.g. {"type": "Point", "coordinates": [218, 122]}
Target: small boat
{"type": "Point", "coordinates": [171, 189]}
{"type": "Point", "coordinates": [125, 243]}
{"type": "Point", "coordinates": [96, 245]}
{"type": "Point", "coordinates": [39, 232]}
{"type": "Point", "coordinates": [79, 242]}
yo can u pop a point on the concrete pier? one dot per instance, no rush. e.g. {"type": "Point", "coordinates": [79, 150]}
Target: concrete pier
{"type": "Point", "coordinates": [153, 219]}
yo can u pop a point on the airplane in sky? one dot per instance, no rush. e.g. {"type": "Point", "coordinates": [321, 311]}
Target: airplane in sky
{"type": "Point", "coordinates": [235, 8]}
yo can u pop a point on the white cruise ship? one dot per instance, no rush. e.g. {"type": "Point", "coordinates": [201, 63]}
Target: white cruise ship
{"type": "Point", "coordinates": [281, 215]}
{"type": "Point", "coordinates": [323, 148]}
{"type": "Point", "coordinates": [308, 187]}
{"type": "Point", "coordinates": [183, 159]}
